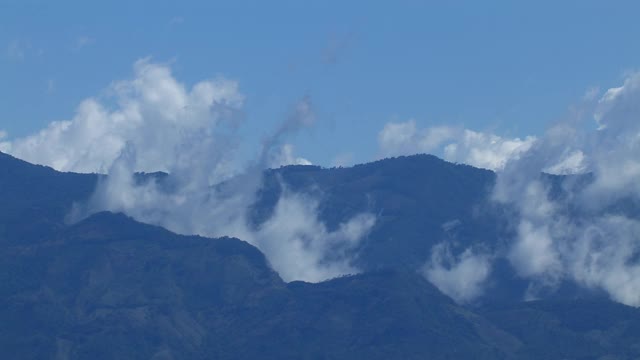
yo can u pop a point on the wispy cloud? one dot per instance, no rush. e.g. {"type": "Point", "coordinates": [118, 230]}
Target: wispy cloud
{"type": "Point", "coordinates": [285, 156]}
{"type": "Point", "coordinates": [5, 146]}
{"type": "Point", "coordinates": [83, 41]}
{"type": "Point", "coordinates": [176, 20]}
{"type": "Point", "coordinates": [51, 86]}
{"type": "Point", "coordinates": [343, 159]}
{"type": "Point", "coordinates": [337, 46]}
{"type": "Point", "coordinates": [17, 49]}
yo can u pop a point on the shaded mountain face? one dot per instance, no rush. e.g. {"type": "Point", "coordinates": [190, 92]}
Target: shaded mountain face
{"type": "Point", "coordinates": [577, 329]}
{"type": "Point", "coordinates": [420, 201]}
{"type": "Point", "coordinates": [36, 199]}
{"type": "Point", "coordinates": [110, 287]}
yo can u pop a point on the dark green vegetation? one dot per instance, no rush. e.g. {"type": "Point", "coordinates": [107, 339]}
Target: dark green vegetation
{"type": "Point", "coordinates": [109, 287]}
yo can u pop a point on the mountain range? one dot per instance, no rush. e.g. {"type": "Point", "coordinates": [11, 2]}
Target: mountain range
{"type": "Point", "coordinates": [110, 287]}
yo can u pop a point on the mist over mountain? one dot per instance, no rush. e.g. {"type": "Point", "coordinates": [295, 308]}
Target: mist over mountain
{"type": "Point", "coordinates": [108, 286]}
{"type": "Point", "coordinates": [168, 246]}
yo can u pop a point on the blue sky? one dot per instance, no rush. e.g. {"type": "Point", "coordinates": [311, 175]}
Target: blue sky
{"type": "Point", "coordinates": [507, 67]}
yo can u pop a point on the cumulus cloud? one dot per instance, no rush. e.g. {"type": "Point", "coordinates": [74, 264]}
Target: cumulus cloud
{"type": "Point", "coordinates": [454, 144]}
{"type": "Point", "coordinates": [153, 122]}
{"type": "Point", "coordinates": [589, 235]}
{"type": "Point", "coordinates": [153, 112]}
{"type": "Point", "coordinates": [461, 277]}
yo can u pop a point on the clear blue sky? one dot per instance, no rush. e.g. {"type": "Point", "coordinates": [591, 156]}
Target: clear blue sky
{"type": "Point", "coordinates": [507, 66]}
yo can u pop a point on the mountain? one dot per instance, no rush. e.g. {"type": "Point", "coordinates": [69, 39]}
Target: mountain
{"type": "Point", "coordinates": [109, 287]}
{"type": "Point", "coordinates": [420, 200]}
{"type": "Point", "coordinates": [36, 199]}
{"type": "Point", "coordinates": [379, 315]}
{"type": "Point", "coordinates": [570, 329]}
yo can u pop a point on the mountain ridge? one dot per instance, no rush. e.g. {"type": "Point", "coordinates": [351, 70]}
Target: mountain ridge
{"type": "Point", "coordinates": [111, 287]}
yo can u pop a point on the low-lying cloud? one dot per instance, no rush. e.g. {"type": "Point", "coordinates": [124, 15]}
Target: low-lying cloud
{"type": "Point", "coordinates": [583, 228]}
{"type": "Point", "coordinates": [461, 277]}
{"type": "Point", "coordinates": [591, 234]}
{"type": "Point", "coordinates": [153, 122]}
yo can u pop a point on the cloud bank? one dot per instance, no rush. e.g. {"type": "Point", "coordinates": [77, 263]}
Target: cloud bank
{"type": "Point", "coordinates": [585, 231]}
{"type": "Point", "coordinates": [583, 228]}
{"type": "Point", "coordinates": [590, 232]}
{"type": "Point", "coordinates": [153, 122]}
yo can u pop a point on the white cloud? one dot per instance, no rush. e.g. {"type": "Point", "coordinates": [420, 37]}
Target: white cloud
{"type": "Point", "coordinates": [405, 138]}
{"type": "Point", "coordinates": [4, 145]}
{"type": "Point", "coordinates": [486, 151]}
{"type": "Point", "coordinates": [296, 242]}
{"type": "Point", "coordinates": [153, 122]}
{"type": "Point", "coordinates": [301, 247]}
{"type": "Point", "coordinates": [577, 237]}
{"type": "Point", "coordinates": [153, 111]}
{"type": "Point", "coordinates": [575, 162]}
{"type": "Point", "coordinates": [274, 153]}
{"type": "Point", "coordinates": [454, 144]}
{"type": "Point", "coordinates": [463, 277]}
{"type": "Point", "coordinates": [533, 254]}
{"type": "Point", "coordinates": [580, 237]}
{"type": "Point", "coordinates": [604, 255]}
{"type": "Point", "coordinates": [286, 157]}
